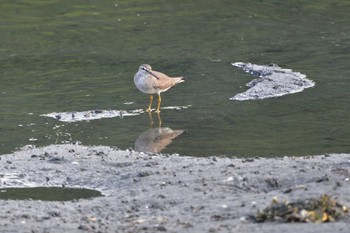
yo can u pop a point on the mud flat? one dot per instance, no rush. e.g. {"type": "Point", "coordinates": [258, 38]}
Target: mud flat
{"type": "Point", "coordinates": [157, 192]}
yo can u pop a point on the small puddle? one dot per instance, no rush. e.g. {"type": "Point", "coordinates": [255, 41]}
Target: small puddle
{"type": "Point", "coordinates": [47, 193]}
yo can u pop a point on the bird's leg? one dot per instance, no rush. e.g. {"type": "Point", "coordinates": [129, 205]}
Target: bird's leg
{"type": "Point", "coordinates": [159, 120]}
{"type": "Point", "coordinates": [150, 103]}
{"type": "Point", "coordinates": [159, 101]}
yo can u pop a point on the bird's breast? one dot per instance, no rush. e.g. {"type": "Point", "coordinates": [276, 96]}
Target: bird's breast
{"type": "Point", "coordinates": [144, 84]}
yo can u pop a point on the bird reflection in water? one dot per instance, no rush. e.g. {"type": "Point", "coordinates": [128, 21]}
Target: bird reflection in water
{"type": "Point", "coordinates": [156, 139]}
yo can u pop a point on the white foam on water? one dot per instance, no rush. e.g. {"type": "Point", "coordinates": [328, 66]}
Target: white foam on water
{"type": "Point", "coordinates": [89, 115]}
{"type": "Point", "coordinates": [177, 107]}
{"type": "Point", "coordinates": [273, 81]}
{"type": "Point", "coordinates": [100, 114]}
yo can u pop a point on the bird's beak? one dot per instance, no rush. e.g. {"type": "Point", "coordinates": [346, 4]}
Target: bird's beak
{"type": "Point", "coordinates": [151, 73]}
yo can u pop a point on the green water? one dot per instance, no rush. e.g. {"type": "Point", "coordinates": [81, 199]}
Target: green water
{"type": "Point", "coordinates": [47, 194]}
{"type": "Point", "coordinates": [58, 56]}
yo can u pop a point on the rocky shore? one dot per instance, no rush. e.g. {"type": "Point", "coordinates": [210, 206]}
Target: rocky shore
{"type": "Point", "coordinates": [156, 192]}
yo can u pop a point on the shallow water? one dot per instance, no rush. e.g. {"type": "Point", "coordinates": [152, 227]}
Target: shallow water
{"type": "Point", "coordinates": [47, 193]}
{"type": "Point", "coordinates": [63, 56]}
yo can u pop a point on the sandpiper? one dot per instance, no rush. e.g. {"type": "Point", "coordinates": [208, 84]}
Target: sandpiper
{"type": "Point", "coordinates": [153, 82]}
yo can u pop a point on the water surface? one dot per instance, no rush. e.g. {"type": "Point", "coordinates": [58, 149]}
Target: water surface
{"type": "Point", "coordinates": [48, 193]}
{"type": "Point", "coordinates": [61, 56]}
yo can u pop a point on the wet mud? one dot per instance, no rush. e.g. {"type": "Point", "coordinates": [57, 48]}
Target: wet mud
{"type": "Point", "coordinates": [148, 192]}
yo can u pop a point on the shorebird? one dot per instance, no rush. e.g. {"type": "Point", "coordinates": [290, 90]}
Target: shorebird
{"type": "Point", "coordinates": [153, 82]}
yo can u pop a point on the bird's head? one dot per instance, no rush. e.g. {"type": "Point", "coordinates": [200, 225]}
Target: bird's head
{"type": "Point", "coordinates": [145, 67]}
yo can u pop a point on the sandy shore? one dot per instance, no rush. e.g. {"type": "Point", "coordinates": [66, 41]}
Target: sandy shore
{"type": "Point", "coordinates": [151, 193]}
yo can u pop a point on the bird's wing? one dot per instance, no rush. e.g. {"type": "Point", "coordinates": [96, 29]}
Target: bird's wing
{"type": "Point", "coordinates": [163, 81]}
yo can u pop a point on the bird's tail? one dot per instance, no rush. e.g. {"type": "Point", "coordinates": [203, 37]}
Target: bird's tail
{"type": "Point", "coordinates": [179, 80]}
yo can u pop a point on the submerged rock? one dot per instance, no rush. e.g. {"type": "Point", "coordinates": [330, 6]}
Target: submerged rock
{"type": "Point", "coordinates": [272, 81]}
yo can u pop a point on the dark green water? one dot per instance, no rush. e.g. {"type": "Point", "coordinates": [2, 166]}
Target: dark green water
{"type": "Point", "coordinates": [47, 194]}
{"type": "Point", "coordinates": [58, 56]}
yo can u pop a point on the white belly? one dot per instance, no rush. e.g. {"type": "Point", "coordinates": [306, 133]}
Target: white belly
{"type": "Point", "coordinates": [144, 84]}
